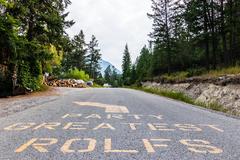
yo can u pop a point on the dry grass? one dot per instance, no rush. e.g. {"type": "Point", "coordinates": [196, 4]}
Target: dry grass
{"type": "Point", "coordinates": [221, 72]}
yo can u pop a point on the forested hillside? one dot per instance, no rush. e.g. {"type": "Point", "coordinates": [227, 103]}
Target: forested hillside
{"type": "Point", "coordinates": [190, 35]}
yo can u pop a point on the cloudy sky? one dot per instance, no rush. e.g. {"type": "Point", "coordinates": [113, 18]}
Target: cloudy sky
{"type": "Point", "coordinates": [114, 23]}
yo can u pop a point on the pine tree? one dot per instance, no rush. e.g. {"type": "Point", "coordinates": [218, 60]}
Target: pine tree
{"type": "Point", "coordinates": [108, 74]}
{"type": "Point", "coordinates": [133, 78]}
{"type": "Point", "coordinates": [162, 30]}
{"type": "Point", "coordinates": [126, 66]}
{"type": "Point", "coordinates": [77, 58]}
{"type": "Point", "coordinates": [93, 58]}
{"type": "Point", "coordinates": [143, 64]}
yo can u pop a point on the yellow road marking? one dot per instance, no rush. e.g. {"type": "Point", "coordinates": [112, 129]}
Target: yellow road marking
{"type": "Point", "coordinates": [200, 146]}
{"type": "Point", "coordinates": [159, 117]}
{"type": "Point", "coordinates": [71, 115]}
{"type": "Point", "coordinates": [150, 147]}
{"type": "Point", "coordinates": [159, 127]}
{"type": "Point", "coordinates": [104, 126]}
{"type": "Point", "coordinates": [108, 148]}
{"type": "Point", "coordinates": [188, 127]}
{"type": "Point", "coordinates": [75, 126]}
{"type": "Point", "coordinates": [91, 145]}
{"type": "Point", "coordinates": [38, 146]}
{"type": "Point", "coordinates": [108, 107]}
{"type": "Point", "coordinates": [50, 126]}
{"type": "Point", "coordinates": [213, 127]}
{"type": "Point", "coordinates": [19, 126]}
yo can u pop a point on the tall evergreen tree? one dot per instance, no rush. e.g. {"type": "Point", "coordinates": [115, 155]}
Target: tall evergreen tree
{"type": "Point", "coordinates": [144, 64]}
{"type": "Point", "coordinates": [108, 74]}
{"type": "Point", "coordinates": [162, 29]}
{"type": "Point", "coordinates": [126, 66]}
{"type": "Point", "coordinates": [93, 58]}
{"type": "Point", "coordinates": [76, 58]}
{"type": "Point", "coordinates": [133, 77]}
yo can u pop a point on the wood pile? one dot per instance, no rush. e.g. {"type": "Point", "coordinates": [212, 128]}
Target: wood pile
{"type": "Point", "coordinates": [72, 83]}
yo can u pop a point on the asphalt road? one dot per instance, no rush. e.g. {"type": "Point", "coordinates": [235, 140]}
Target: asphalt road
{"type": "Point", "coordinates": [117, 124]}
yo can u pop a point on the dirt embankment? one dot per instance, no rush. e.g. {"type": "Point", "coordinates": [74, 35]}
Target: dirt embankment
{"type": "Point", "coordinates": [224, 90]}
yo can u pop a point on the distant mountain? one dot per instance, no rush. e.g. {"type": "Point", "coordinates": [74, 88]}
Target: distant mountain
{"type": "Point", "coordinates": [104, 64]}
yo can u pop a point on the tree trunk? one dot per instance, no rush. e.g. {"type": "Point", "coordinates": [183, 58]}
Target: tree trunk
{"type": "Point", "coordinates": [167, 37]}
{"type": "Point", "coordinates": [214, 60]}
{"type": "Point", "coordinates": [231, 32]}
{"type": "Point", "coordinates": [225, 58]}
{"type": "Point", "coordinates": [206, 35]}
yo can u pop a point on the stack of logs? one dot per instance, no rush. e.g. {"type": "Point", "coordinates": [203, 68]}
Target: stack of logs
{"type": "Point", "coordinates": [67, 83]}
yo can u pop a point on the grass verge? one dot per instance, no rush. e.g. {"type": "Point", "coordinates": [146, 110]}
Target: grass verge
{"type": "Point", "coordinates": [182, 97]}
{"type": "Point", "coordinates": [179, 76]}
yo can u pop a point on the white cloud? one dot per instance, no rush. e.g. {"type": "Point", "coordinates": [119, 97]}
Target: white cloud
{"type": "Point", "coordinates": [114, 23]}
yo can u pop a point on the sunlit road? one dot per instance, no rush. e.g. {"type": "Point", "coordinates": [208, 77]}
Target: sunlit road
{"type": "Point", "coordinates": [117, 124]}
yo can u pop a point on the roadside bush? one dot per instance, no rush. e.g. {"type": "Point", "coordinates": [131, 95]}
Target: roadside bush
{"type": "Point", "coordinates": [76, 74]}
{"type": "Point", "coordinates": [27, 79]}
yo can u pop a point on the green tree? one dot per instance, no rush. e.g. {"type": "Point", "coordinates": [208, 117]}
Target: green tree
{"type": "Point", "coordinates": [126, 66]}
{"type": "Point", "coordinates": [108, 74]}
{"type": "Point", "coordinates": [93, 58]}
{"type": "Point", "coordinates": [33, 31]}
{"type": "Point", "coordinates": [133, 77]}
{"type": "Point", "coordinates": [76, 57]}
{"type": "Point", "coordinates": [144, 63]}
{"type": "Point", "coordinates": [162, 29]}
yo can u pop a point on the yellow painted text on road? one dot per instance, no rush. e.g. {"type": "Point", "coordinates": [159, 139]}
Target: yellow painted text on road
{"type": "Point", "coordinates": [150, 146]}
{"type": "Point", "coordinates": [108, 148]}
{"type": "Point", "coordinates": [200, 146]}
{"type": "Point", "coordinates": [66, 148]}
{"type": "Point", "coordinates": [40, 146]}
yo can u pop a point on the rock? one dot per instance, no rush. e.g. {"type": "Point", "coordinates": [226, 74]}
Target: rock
{"type": "Point", "coordinates": [227, 96]}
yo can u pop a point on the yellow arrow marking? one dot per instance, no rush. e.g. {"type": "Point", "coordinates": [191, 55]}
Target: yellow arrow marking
{"type": "Point", "coordinates": [108, 107]}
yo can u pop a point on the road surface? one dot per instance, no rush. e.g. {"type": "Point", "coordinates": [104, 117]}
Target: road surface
{"type": "Point", "coordinates": [117, 124]}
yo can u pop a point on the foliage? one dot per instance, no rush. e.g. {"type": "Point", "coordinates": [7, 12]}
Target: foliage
{"type": "Point", "coordinates": [76, 57]}
{"type": "Point", "coordinates": [93, 58]}
{"type": "Point", "coordinates": [111, 77]}
{"type": "Point", "coordinates": [76, 74]}
{"type": "Point", "coordinates": [191, 38]}
{"type": "Point", "coordinates": [222, 71]}
{"type": "Point", "coordinates": [177, 76]}
{"type": "Point", "coordinates": [30, 42]}
{"type": "Point", "coordinates": [28, 80]}
{"type": "Point", "coordinates": [170, 94]}
{"type": "Point", "coordinates": [133, 77]}
{"type": "Point", "coordinates": [100, 81]}
{"type": "Point", "coordinates": [143, 67]}
{"type": "Point", "coordinates": [126, 66]}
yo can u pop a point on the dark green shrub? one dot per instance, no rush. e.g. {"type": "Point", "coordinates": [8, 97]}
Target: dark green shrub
{"type": "Point", "coordinates": [27, 79]}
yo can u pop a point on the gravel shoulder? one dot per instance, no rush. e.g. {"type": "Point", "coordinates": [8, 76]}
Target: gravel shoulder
{"type": "Point", "coordinates": [11, 105]}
